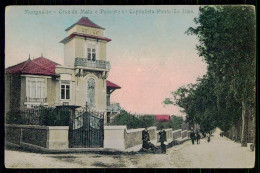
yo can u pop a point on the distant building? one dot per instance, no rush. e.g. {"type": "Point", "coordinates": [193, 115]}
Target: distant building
{"type": "Point", "coordinates": [161, 118]}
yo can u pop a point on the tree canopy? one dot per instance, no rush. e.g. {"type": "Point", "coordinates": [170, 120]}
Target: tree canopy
{"type": "Point", "coordinates": [226, 94]}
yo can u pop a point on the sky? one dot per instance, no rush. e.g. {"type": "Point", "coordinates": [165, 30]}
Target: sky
{"type": "Point", "coordinates": [150, 54]}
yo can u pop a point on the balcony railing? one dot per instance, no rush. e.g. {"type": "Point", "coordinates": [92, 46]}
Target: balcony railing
{"type": "Point", "coordinates": [113, 107]}
{"type": "Point", "coordinates": [84, 62]}
{"type": "Point", "coordinates": [39, 100]}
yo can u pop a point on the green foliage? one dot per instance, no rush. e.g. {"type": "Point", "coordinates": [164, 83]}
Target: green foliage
{"type": "Point", "coordinates": [46, 116]}
{"type": "Point", "coordinates": [13, 117]}
{"type": "Point", "coordinates": [227, 44]}
{"type": "Point", "coordinates": [54, 117]}
{"type": "Point", "coordinates": [125, 118]}
{"type": "Point", "coordinates": [174, 123]}
{"type": "Point", "coordinates": [132, 122]}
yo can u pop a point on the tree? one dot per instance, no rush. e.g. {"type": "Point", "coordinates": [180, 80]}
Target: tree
{"type": "Point", "coordinates": [227, 43]}
{"type": "Point", "coordinates": [226, 94]}
{"type": "Point", "coordinates": [131, 121]}
{"type": "Point", "coordinates": [176, 122]}
{"type": "Point", "coordinates": [198, 102]}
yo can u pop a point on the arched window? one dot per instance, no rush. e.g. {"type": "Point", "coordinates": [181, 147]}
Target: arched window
{"type": "Point", "coordinates": [91, 92]}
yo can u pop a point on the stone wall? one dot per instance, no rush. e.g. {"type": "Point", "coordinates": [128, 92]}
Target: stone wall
{"type": "Point", "coordinates": [176, 134]}
{"type": "Point", "coordinates": [56, 137]}
{"type": "Point", "coordinates": [184, 133]}
{"type": "Point", "coordinates": [133, 138]}
{"type": "Point", "coordinates": [49, 137]}
{"type": "Point", "coordinates": [114, 137]}
{"type": "Point", "coordinates": [119, 137]}
{"type": "Point", "coordinates": [169, 136]}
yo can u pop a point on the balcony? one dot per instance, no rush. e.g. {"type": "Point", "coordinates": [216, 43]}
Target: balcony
{"type": "Point", "coordinates": [113, 107]}
{"type": "Point", "coordinates": [98, 65]}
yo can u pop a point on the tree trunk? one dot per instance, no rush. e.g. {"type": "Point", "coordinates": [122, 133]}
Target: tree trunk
{"type": "Point", "coordinates": [245, 114]}
{"type": "Point", "coordinates": [238, 131]}
{"type": "Point", "coordinates": [254, 128]}
{"type": "Point", "coordinates": [234, 133]}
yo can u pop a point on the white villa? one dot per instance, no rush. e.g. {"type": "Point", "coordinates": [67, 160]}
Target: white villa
{"type": "Point", "coordinates": [81, 80]}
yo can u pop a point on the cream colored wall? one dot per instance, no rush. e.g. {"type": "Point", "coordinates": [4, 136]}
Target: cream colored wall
{"type": "Point", "coordinates": [23, 92]}
{"type": "Point", "coordinates": [102, 51]}
{"type": "Point", "coordinates": [51, 92]}
{"type": "Point", "coordinates": [73, 29]}
{"type": "Point", "coordinates": [79, 89]}
{"type": "Point", "coordinates": [75, 47]}
{"type": "Point", "coordinates": [100, 91]}
{"type": "Point", "coordinates": [69, 53]}
{"type": "Point", "coordinates": [114, 137]}
{"type": "Point", "coordinates": [79, 47]}
{"type": "Point", "coordinates": [86, 30]}
{"type": "Point", "coordinates": [58, 137]}
{"type": "Point", "coordinates": [64, 70]}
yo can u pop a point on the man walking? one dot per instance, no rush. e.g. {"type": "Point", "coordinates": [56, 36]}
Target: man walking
{"type": "Point", "coordinates": [198, 138]}
{"type": "Point", "coordinates": [208, 138]}
{"type": "Point", "coordinates": [162, 139]}
{"type": "Point", "coordinates": [192, 137]}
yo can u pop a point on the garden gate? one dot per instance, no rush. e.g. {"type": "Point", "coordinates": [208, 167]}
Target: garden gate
{"type": "Point", "coordinates": [86, 130]}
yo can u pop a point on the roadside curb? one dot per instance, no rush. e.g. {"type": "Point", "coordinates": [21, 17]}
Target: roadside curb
{"type": "Point", "coordinates": [108, 151]}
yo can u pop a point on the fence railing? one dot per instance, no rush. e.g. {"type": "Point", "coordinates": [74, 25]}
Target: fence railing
{"type": "Point", "coordinates": [26, 117]}
{"type": "Point", "coordinates": [47, 116]}
{"type": "Point", "coordinates": [84, 62]}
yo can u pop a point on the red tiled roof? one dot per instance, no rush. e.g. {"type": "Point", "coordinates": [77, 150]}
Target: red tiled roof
{"type": "Point", "coordinates": [38, 66]}
{"type": "Point", "coordinates": [84, 21]}
{"type": "Point", "coordinates": [162, 117]}
{"type": "Point", "coordinates": [112, 85]}
{"type": "Point", "coordinates": [85, 36]}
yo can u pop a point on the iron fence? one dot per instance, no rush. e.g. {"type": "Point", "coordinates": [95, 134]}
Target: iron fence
{"type": "Point", "coordinates": [26, 117]}
{"type": "Point", "coordinates": [46, 116]}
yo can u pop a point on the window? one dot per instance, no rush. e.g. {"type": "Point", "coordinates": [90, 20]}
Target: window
{"type": "Point", "coordinates": [91, 92]}
{"type": "Point", "coordinates": [65, 90]}
{"type": "Point", "coordinates": [35, 88]}
{"type": "Point", "coordinates": [91, 53]}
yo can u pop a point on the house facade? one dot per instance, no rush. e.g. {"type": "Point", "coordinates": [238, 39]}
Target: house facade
{"type": "Point", "coordinates": [81, 81]}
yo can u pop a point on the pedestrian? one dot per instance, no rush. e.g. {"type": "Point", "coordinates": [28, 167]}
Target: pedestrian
{"type": "Point", "coordinates": [208, 138]}
{"type": "Point", "coordinates": [204, 134]}
{"type": "Point", "coordinates": [192, 137]}
{"type": "Point", "coordinates": [162, 139]}
{"type": "Point", "coordinates": [146, 140]}
{"type": "Point", "coordinates": [198, 138]}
